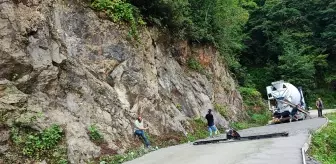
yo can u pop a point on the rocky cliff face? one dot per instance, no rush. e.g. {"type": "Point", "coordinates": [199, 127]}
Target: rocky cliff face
{"type": "Point", "coordinates": [60, 59]}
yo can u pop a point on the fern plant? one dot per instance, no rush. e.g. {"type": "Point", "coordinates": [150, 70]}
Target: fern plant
{"type": "Point", "coordinates": [94, 133]}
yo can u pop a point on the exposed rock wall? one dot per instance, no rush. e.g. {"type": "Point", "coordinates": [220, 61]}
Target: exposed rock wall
{"type": "Point", "coordinates": [58, 58]}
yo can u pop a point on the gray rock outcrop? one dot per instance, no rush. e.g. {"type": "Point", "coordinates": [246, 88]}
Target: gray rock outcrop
{"type": "Point", "coordinates": [58, 58]}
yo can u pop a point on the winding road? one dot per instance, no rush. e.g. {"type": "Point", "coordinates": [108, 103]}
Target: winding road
{"type": "Point", "coordinates": [265, 151]}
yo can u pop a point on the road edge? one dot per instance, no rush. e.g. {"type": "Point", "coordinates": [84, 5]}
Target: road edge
{"type": "Point", "coordinates": [306, 145]}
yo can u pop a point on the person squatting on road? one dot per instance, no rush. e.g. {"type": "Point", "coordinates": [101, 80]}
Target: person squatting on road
{"type": "Point", "coordinates": [211, 124]}
{"type": "Point", "coordinates": [319, 106]}
{"type": "Point", "coordinates": [139, 131]}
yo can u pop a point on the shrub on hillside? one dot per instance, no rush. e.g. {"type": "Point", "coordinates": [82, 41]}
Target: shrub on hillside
{"type": "Point", "coordinates": [94, 134]}
{"type": "Point", "coordinates": [47, 144]}
{"type": "Point", "coordinates": [256, 108]}
{"type": "Point", "coordinates": [120, 11]}
{"type": "Point", "coordinates": [194, 64]}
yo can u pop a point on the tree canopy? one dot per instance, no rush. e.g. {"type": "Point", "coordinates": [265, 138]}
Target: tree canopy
{"type": "Point", "coordinates": [296, 38]}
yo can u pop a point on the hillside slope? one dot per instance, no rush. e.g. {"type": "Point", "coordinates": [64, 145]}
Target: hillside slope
{"type": "Point", "coordinates": [60, 61]}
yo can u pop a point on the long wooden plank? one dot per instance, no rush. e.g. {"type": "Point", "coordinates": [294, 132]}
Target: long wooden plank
{"type": "Point", "coordinates": [255, 137]}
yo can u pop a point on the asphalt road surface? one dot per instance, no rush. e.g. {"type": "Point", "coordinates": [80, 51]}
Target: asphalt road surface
{"type": "Point", "coordinates": [264, 151]}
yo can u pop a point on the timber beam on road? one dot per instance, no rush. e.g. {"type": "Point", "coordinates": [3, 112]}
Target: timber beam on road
{"type": "Point", "coordinates": [247, 138]}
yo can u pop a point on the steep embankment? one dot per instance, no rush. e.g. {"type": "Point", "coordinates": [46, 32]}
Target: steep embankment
{"type": "Point", "coordinates": [61, 64]}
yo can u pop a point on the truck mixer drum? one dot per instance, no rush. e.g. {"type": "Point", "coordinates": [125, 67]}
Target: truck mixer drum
{"type": "Point", "coordinates": [283, 97]}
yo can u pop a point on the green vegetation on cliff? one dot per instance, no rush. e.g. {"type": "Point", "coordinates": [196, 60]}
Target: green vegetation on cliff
{"type": "Point", "coordinates": [257, 110]}
{"type": "Point", "coordinates": [95, 134]}
{"type": "Point", "coordinates": [120, 11]}
{"type": "Point", "coordinates": [48, 144]}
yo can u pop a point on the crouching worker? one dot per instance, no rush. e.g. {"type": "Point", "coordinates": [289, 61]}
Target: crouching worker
{"type": "Point", "coordinates": [139, 131]}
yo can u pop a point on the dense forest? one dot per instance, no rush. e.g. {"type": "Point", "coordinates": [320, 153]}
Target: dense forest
{"type": "Point", "coordinates": [261, 40]}
{"type": "Point", "coordinates": [294, 41]}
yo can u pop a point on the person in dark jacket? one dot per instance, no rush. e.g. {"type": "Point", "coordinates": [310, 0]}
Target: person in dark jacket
{"type": "Point", "coordinates": [319, 106]}
{"type": "Point", "coordinates": [211, 123]}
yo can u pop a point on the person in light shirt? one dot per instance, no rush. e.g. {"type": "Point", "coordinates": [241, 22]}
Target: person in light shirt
{"type": "Point", "coordinates": [139, 130]}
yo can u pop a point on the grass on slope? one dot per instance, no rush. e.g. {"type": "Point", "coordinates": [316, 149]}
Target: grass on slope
{"type": "Point", "coordinates": [256, 108]}
{"type": "Point", "coordinates": [323, 146]}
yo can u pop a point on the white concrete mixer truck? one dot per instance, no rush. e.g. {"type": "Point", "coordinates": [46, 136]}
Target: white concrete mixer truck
{"type": "Point", "coordinates": [286, 102]}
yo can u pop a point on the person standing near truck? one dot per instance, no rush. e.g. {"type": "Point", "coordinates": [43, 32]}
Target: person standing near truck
{"type": "Point", "coordinates": [319, 106]}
